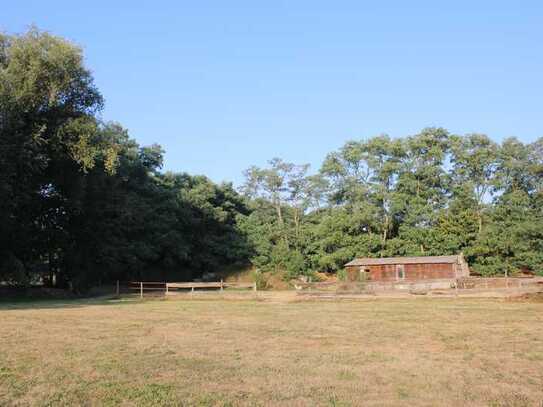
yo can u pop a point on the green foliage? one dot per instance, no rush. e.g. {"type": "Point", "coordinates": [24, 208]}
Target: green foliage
{"type": "Point", "coordinates": [428, 194]}
{"type": "Point", "coordinates": [513, 238]}
{"type": "Point", "coordinates": [260, 279]}
{"type": "Point", "coordinates": [82, 203]}
{"type": "Point", "coordinates": [342, 275]}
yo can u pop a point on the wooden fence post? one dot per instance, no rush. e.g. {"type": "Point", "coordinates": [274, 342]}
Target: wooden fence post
{"type": "Point", "coordinates": [222, 286]}
{"type": "Point", "coordinates": [118, 291]}
{"type": "Point", "coordinates": [141, 289]}
{"type": "Point", "coordinates": [166, 288]}
{"type": "Point", "coordinates": [192, 291]}
{"type": "Point", "coordinates": [456, 279]}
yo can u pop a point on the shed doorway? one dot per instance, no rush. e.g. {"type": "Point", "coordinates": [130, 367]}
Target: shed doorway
{"type": "Point", "coordinates": [364, 274]}
{"type": "Point", "coordinates": [400, 272]}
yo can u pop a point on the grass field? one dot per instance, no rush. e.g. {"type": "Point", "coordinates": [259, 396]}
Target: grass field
{"type": "Point", "coordinates": [416, 352]}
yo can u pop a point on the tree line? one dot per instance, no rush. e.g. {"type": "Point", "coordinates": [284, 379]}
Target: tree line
{"type": "Point", "coordinates": [82, 203]}
{"type": "Point", "coordinates": [432, 193]}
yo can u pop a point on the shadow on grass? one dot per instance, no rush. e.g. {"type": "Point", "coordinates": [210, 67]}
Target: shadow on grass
{"type": "Point", "coordinates": [25, 303]}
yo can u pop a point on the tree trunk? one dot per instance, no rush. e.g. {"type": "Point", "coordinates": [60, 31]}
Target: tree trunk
{"type": "Point", "coordinates": [479, 222]}
{"type": "Point", "coordinates": [296, 223]}
{"type": "Point", "coordinates": [385, 230]}
{"type": "Point", "coordinates": [279, 212]}
{"type": "Point", "coordinates": [281, 221]}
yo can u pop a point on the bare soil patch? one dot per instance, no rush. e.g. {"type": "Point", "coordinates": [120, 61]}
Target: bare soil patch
{"type": "Point", "coordinates": [528, 297]}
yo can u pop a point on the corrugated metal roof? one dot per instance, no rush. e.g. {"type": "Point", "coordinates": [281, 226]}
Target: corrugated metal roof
{"type": "Point", "coordinates": [366, 261]}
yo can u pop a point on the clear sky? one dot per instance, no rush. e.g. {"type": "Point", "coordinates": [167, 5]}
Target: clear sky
{"type": "Point", "coordinates": [222, 85]}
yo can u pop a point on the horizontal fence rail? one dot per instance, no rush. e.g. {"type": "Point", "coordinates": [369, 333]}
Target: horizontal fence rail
{"type": "Point", "coordinates": [489, 283]}
{"type": "Point", "coordinates": [221, 285]}
{"type": "Point", "coordinates": [469, 284]}
{"type": "Point", "coordinates": [150, 287]}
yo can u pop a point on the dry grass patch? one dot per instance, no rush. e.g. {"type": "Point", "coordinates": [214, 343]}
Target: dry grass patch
{"type": "Point", "coordinates": [426, 352]}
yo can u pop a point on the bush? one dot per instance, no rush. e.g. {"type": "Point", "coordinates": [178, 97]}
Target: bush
{"type": "Point", "coordinates": [342, 275]}
{"type": "Point", "coordinates": [260, 279]}
{"type": "Point", "coordinates": [12, 271]}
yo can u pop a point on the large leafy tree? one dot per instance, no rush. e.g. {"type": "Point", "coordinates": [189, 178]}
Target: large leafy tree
{"type": "Point", "coordinates": [280, 240]}
{"type": "Point", "coordinates": [474, 160]}
{"type": "Point", "coordinates": [422, 189]}
{"type": "Point", "coordinates": [47, 126]}
{"type": "Point", "coordinates": [83, 203]}
{"type": "Point", "coordinates": [364, 176]}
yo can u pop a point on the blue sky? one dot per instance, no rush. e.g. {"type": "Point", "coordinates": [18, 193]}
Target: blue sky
{"type": "Point", "coordinates": [223, 85]}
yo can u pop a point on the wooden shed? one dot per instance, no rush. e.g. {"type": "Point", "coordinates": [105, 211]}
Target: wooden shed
{"type": "Point", "coordinates": [407, 268]}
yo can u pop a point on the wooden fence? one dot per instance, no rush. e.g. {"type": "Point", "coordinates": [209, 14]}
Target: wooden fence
{"type": "Point", "coordinates": [489, 283]}
{"type": "Point", "coordinates": [164, 288]}
{"type": "Point", "coordinates": [142, 287]}
{"type": "Point", "coordinates": [469, 284]}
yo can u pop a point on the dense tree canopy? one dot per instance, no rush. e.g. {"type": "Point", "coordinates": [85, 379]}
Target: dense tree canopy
{"type": "Point", "coordinates": [432, 193]}
{"type": "Point", "coordinates": [82, 203]}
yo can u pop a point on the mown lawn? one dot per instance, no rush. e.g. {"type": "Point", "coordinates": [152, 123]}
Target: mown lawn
{"type": "Point", "coordinates": [415, 352]}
